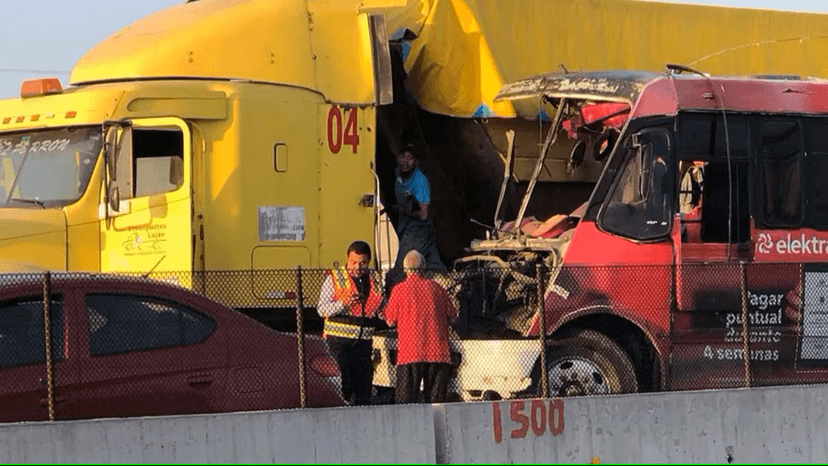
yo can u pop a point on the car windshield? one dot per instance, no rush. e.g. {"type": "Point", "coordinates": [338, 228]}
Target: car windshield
{"type": "Point", "coordinates": [47, 168]}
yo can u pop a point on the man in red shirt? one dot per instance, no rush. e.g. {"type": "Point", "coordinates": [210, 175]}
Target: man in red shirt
{"type": "Point", "coordinates": [422, 310]}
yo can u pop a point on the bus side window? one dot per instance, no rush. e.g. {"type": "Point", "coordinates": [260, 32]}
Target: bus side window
{"type": "Point", "coordinates": [692, 184]}
{"type": "Point", "coordinates": [816, 172]}
{"type": "Point", "coordinates": [781, 163]}
{"type": "Point", "coordinates": [723, 221]}
{"type": "Point", "coordinates": [723, 198]}
{"type": "Point", "coordinates": [690, 199]}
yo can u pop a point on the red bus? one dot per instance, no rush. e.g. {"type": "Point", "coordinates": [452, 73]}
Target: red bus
{"type": "Point", "coordinates": [700, 259]}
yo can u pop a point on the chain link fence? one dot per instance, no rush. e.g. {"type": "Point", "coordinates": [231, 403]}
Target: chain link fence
{"type": "Point", "coordinates": [79, 345]}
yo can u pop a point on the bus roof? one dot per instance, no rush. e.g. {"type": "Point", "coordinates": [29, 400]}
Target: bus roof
{"type": "Point", "coordinates": [619, 85]}
{"type": "Point", "coordinates": [665, 94]}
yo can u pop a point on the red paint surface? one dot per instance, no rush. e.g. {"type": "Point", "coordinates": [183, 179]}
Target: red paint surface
{"type": "Point", "coordinates": [556, 416]}
{"type": "Point", "coordinates": [667, 96]}
{"type": "Point", "coordinates": [334, 130]}
{"type": "Point", "coordinates": [497, 424]}
{"type": "Point", "coordinates": [536, 418]}
{"type": "Point", "coordinates": [351, 136]}
{"type": "Point", "coordinates": [517, 415]}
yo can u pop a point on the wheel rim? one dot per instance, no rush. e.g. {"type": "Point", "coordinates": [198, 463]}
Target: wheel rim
{"type": "Point", "coordinates": [577, 376]}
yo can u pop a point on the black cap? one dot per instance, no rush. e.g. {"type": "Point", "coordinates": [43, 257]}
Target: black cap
{"type": "Point", "coordinates": [408, 147]}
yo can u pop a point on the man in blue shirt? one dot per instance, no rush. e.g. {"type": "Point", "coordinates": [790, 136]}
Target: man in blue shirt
{"type": "Point", "coordinates": [415, 225]}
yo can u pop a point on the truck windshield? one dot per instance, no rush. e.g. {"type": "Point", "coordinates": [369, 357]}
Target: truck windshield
{"type": "Point", "coordinates": [47, 168]}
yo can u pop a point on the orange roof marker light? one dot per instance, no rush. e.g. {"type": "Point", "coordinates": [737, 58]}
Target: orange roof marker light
{"type": "Point", "coordinates": [40, 86]}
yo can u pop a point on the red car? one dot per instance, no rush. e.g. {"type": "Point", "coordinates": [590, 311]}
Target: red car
{"type": "Point", "coordinates": [134, 347]}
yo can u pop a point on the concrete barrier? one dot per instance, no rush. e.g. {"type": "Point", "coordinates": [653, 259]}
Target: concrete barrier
{"type": "Point", "coordinates": [740, 426]}
{"type": "Point", "coordinates": [743, 426]}
{"type": "Point", "coordinates": [331, 435]}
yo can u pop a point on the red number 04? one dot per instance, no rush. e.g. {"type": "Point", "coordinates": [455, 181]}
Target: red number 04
{"type": "Point", "coordinates": [336, 137]}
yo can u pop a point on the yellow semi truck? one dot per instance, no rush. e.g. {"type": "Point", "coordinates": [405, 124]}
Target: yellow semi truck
{"type": "Point", "coordinates": [205, 160]}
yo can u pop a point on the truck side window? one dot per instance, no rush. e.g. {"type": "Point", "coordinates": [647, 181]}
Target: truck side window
{"type": "Point", "coordinates": [159, 157]}
{"type": "Point", "coordinates": [641, 203]}
{"type": "Point", "coordinates": [781, 155]}
{"type": "Point", "coordinates": [150, 161]}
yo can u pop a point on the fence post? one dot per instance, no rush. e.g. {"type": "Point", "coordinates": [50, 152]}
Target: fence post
{"type": "Point", "coordinates": [745, 329]}
{"type": "Point", "coordinates": [300, 337]}
{"type": "Point", "coordinates": [541, 275]}
{"type": "Point", "coordinates": [47, 323]}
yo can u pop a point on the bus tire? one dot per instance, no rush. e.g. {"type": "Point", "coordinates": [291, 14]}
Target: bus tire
{"type": "Point", "coordinates": [588, 363]}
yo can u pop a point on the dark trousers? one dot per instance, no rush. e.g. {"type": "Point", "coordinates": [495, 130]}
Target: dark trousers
{"type": "Point", "coordinates": [355, 367]}
{"type": "Point", "coordinates": [416, 234]}
{"type": "Point", "coordinates": [434, 377]}
{"type": "Point", "coordinates": [421, 235]}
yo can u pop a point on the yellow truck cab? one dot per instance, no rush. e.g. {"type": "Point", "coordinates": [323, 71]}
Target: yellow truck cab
{"type": "Point", "coordinates": [174, 150]}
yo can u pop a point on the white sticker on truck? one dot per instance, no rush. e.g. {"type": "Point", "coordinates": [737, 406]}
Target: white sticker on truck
{"type": "Point", "coordinates": [281, 223]}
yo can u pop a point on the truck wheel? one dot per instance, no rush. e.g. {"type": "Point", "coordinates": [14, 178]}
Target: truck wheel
{"type": "Point", "coordinates": [589, 363]}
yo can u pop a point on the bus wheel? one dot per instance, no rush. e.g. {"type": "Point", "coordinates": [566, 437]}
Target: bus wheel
{"type": "Point", "coordinates": [589, 363]}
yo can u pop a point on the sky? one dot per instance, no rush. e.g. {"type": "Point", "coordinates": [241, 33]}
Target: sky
{"type": "Point", "coordinates": [47, 37]}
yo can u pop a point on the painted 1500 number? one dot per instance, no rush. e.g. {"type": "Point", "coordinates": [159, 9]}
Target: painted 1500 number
{"type": "Point", "coordinates": [539, 416]}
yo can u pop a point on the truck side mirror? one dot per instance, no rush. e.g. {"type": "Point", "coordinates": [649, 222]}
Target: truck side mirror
{"type": "Point", "coordinates": [114, 199]}
{"type": "Point", "coordinates": [110, 150]}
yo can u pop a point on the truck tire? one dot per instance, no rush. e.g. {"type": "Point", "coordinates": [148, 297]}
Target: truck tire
{"type": "Point", "coordinates": [588, 363]}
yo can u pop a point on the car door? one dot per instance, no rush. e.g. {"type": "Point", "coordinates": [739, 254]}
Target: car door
{"type": "Point", "coordinates": [23, 374]}
{"type": "Point", "coordinates": [150, 355]}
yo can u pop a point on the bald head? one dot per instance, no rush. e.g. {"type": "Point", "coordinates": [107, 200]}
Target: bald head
{"type": "Point", "coordinates": [413, 262]}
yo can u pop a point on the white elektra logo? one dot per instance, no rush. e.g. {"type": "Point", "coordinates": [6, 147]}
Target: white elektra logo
{"type": "Point", "coordinates": [791, 244]}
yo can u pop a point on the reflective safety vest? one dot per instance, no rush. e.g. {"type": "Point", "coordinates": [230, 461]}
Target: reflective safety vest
{"type": "Point", "coordinates": [357, 322]}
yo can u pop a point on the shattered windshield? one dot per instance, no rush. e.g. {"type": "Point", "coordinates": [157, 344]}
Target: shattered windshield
{"type": "Point", "coordinates": [47, 168]}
